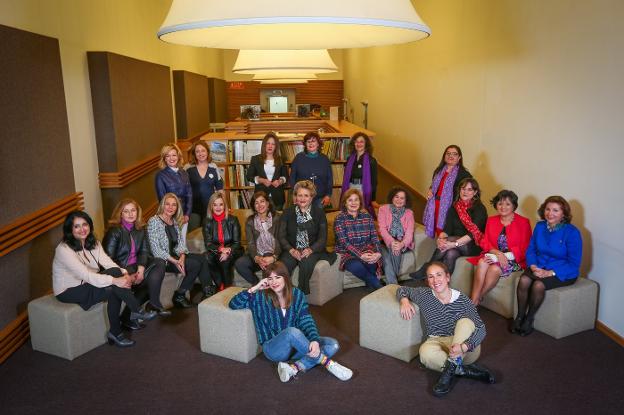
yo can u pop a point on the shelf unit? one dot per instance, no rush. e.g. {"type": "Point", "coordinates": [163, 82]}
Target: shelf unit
{"type": "Point", "coordinates": [232, 151]}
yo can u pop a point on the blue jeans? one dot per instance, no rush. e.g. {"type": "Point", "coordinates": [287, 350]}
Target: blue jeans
{"type": "Point", "coordinates": [292, 344]}
{"type": "Point", "coordinates": [365, 272]}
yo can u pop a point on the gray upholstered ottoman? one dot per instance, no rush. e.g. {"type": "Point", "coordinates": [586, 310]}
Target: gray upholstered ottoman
{"type": "Point", "coordinates": [461, 279]}
{"type": "Point", "coordinates": [568, 310]}
{"type": "Point", "coordinates": [225, 332]}
{"type": "Point", "coordinates": [66, 330]}
{"type": "Point", "coordinates": [326, 282]}
{"type": "Point", "coordinates": [382, 329]}
{"type": "Point", "coordinates": [169, 285]}
{"type": "Point", "coordinates": [502, 298]}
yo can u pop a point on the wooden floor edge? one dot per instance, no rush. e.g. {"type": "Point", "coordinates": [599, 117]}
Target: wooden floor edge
{"type": "Point", "coordinates": [607, 331]}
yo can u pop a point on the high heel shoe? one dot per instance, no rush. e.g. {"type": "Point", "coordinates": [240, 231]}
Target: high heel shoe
{"type": "Point", "coordinates": [120, 340]}
{"type": "Point", "coordinates": [158, 310]}
{"type": "Point", "coordinates": [143, 315]}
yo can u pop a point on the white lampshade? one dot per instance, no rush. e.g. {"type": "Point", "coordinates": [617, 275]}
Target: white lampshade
{"type": "Point", "coordinates": [269, 76]}
{"type": "Point", "coordinates": [284, 61]}
{"type": "Point", "coordinates": [292, 24]}
{"type": "Point", "coordinates": [284, 81]}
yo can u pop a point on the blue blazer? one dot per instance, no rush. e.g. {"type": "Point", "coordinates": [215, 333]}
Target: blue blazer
{"type": "Point", "coordinates": [559, 251]}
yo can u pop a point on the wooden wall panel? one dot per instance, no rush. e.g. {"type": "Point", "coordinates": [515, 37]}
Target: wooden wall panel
{"type": "Point", "coordinates": [218, 100]}
{"type": "Point", "coordinates": [133, 113]}
{"type": "Point", "coordinates": [192, 104]}
{"type": "Point", "coordinates": [36, 168]}
{"type": "Point", "coordinates": [325, 93]}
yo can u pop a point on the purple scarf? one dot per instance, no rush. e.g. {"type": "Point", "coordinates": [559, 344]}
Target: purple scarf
{"type": "Point", "coordinates": [367, 188]}
{"type": "Point", "coordinates": [446, 200]}
{"type": "Point", "coordinates": [132, 258]}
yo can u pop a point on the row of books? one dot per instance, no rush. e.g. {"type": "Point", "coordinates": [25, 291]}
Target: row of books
{"type": "Point", "coordinates": [240, 199]}
{"type": "Point", "coordinates": [237, 176]}
{"type": "Point", "coordinates": [336, 149]}
{"type": "Point", "coordinates": [244, 150]}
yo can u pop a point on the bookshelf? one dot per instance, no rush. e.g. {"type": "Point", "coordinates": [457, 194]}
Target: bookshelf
{"type": "Point", "coordinates": [233, 149]}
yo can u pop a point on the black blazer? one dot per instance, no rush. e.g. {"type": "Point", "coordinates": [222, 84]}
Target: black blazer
{"type": "Point", "coordinates": [454, 226]}
{"type": "Point", "coordinates": [117, 245]}
{"type": "Point", "coordinates": [317, 233]}
{"type": "Point", "coordinates": [256, 168]}
{"type": "Point", "coordinates": [252, 235]}
{"type": "Point", "coordinates": [231, 235]}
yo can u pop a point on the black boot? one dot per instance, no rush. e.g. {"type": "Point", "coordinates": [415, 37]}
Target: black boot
{"type": "Point", "coordinates": [527, 327]}
{"type": "Point", "coordinates": [515, 325]}
{"type": "Point", "coordinates": [446, 381]}
{"type": "Point", "coordinates": [208, 291]}
{"type": "Point", "coordinates": [477, 372]}
{"type": "Point", "coordinates": [179, 300]}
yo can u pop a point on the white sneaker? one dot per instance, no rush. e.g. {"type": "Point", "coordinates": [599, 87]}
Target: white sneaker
{"type": "Point", "coordinates": [338, 370]}
{"type": "Point", "coordinates": [285, 371]}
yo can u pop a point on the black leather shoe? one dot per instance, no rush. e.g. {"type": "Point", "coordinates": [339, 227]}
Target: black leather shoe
{"type": "Point", "coordinates": [158, 310]}
{"type": "Point", "coordinates": [120, 340]}
{"type": "Point", "coordinates": [143, 315]}
{"type": "Point", "coordinates": [179, 300]}
{"type": "Point", "coordinates": [418, 275]}
{"type": "Point", "coordinates": [477, 372]}
{"type": "Point", "coordinates": [208, 291]}
{"type": "Point", "coordinates": [515, 325]}
{"type": "Point", "coordinates": [527, 327]}
{"type": "Point", "coordinates": [132, 324]}
{"type": "Point", "coordinates": [447, 379]}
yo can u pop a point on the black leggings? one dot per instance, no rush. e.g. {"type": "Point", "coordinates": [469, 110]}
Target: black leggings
{"type": "Point", "coordinates": [221, 271]}
{"type": "Point", "coordinates": [86, 295]}
{"type": "Point", "coordinates": [195, 266]}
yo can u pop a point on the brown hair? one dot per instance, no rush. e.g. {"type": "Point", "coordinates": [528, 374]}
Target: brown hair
{"type": "Point", "coordinates": [278, 268]}
{"type": "Point", "coordinates": [368, 147]}
{"type": "Point", "coordinates": [217, 195]}
{"type": "Point", "coordinates": [115, 219]}
{"type": "Point", "coordinates": [255, 196]}
{"type": "Point", "coordinates": [277, 155]}
{"type": "Point", "coordinates": [475, 186]}
{"type": "Point", "coordinates": [163, 153]}
{"type": "Point", "coordinates": [348, 194]}
{"type": "Point", "coordinates": [565, 207]}
{"type": "Point", "coordinates": [396, 189]}
{"type": "Point", "coordinates": [161, 207]}
{"type": "Point", "coordinates": [443, 163]}
{"type": "Point", "coordinates": [309, 136]}
{"type": "Point", "coordinates": [192, 158]}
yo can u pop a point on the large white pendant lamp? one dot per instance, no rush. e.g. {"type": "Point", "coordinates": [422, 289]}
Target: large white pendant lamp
{"type": "Point", "coordinates": [283, 75]}
{"type": "Point", "coordinates": [292, 24]}
{"type": "Point", "coordinates": [284, 81]}
{"type": "Point", "coordinates": [284, 61]}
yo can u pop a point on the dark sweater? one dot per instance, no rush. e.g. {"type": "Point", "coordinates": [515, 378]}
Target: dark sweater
{"type": "Point", "coordinates": [316, 169]}
{"type": "Point", "coordinates": [454, 226]}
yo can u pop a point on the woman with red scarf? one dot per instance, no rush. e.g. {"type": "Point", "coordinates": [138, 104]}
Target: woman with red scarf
{"type": "Point", "coordinates": [463, 230]}
{"type": "Point", "coordinates": [222, 238]}
{"type": "Point", "coordinates": [361, 170]}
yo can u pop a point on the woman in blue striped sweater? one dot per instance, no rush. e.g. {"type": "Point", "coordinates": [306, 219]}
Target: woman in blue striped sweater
{"type": "Point", "coordinates": [453, 326]}
{"type": "Point", "coordinates": [285, 328]}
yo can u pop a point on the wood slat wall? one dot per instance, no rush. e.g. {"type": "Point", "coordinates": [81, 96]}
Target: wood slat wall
{"type": "Point", "coordinates": [28, 227]}
{"type": "Point", "coordinates": [119, 179]}
{"type": "Point", "coordinates": [14, 335]}
{"type": "Point", "coordinates": [325, 93]}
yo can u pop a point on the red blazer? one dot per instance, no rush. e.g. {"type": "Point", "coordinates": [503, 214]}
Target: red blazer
{"type": "Point", "coordinates": [518, 237]}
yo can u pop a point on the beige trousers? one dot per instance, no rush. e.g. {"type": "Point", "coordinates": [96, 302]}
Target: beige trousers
{"type": "Point", "coordinates": [434, 352]}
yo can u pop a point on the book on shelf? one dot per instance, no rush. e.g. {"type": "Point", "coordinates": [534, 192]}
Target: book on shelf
{"type": "Point", "coordinates": [237, 176]}
{"type": "Point", "coordinates": [337, 173]}
{"type": "Point", "coordinates": [290, 149]}
{"type": "Point", "coordinates": [218, 150]}
{"type": "Point", "coordinates": [242, 150]}
{"type": "Point", "coordinates": [240, 199]}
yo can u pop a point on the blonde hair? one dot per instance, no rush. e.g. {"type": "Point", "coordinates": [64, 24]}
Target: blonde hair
{"type": "Point", "coordinates": [115, 219]}
{"type": "Point", "coordinates": [163, 153]}
{"type": "Point", "coordinates": [217, 195]}
{"type": "Point", "coordinates": [161, 206]}
{"type": "Point", "coordinates": [305, 184]}
{"type": "Point", "coordinates": [192, 158]}
{"type": "Point", "coordinates": [348, 194]}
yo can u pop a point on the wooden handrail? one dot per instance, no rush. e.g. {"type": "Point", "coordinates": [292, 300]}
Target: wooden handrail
{"type": "Point", "coordinates": [119, 179]}
{"type": "Point", "coordinates": [28, 227]}
{"type": "Point", "coordinates": [14, 335]}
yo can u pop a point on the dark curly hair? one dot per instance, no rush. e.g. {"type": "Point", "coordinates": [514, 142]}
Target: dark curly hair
{"type": "Point", "coordinates": [309, 136]}
{"type": "Point", "coordinates": [393, 192]}
{"type": "Point", "coordinates": [505, 194]}
{"type": "Point", "coordinates": [68, 236]}
{"type": "Point", "coordinates": [368, 146]}
{"type": "Point", "coordinates": [255, 196]}
{"type": "Point", "coordinates": [565, 207]}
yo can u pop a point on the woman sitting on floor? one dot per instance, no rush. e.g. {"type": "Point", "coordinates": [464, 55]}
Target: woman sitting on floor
{"type": "Point", "coordinates": [222, 238]}
{"type": "Point", "coordinates": [261, 229]}
{"type": "Point", "coordinates": [83, 274]}
{"type": "Point", "coordinates": [454, 328]}
{"type": "Point", "coordinates": [285, 328]}
{"type": "Point", "coordinates": [504, 245]}
{"type": "Point", "coordinates": [396, 226]}
{"type": "Point", "coordinates": [126, 243]}
{"type": "Point", "coordinates": [553, 260]}
{"type": "Point", "coordinates": [303, 234]}
{"type": "Point", "coordinates": [463, 230]}
{"type": "Point", "coordinates": [170, 252]}
{"type": "Point", "coordinates": [356, 240]}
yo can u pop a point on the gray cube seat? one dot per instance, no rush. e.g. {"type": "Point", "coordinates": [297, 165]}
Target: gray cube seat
{"type": "Point", "coordinates": [225, 332]}
{"type": "Point", "coordinates": [66, 330]}
{"type": "Point", "coordinates": [382, 328]}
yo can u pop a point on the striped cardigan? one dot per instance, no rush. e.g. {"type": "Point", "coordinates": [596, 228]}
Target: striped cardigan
{"type": "Point", "coordinates": [440, 319]}
{"type": "Point", "coordinates": [270, 321]}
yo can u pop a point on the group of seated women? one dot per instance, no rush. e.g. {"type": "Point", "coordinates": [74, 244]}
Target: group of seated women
{"type": "Point", "coordinates": [129, 266]}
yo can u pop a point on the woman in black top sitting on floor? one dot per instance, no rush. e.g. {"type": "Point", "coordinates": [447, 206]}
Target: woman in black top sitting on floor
{"type": "Point", "coordinates": [261, 229]}
{"type": "Point", "coordinates": [222, 238]}
{"type": "Point", "coordinates": [126, 243]}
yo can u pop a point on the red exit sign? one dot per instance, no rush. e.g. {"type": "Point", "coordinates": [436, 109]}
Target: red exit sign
{"type": "Point", "coordinates": [237, 85]}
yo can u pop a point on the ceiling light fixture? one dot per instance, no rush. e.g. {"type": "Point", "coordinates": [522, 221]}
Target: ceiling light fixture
{"type": "Point", "coordinates": [284, 61]}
